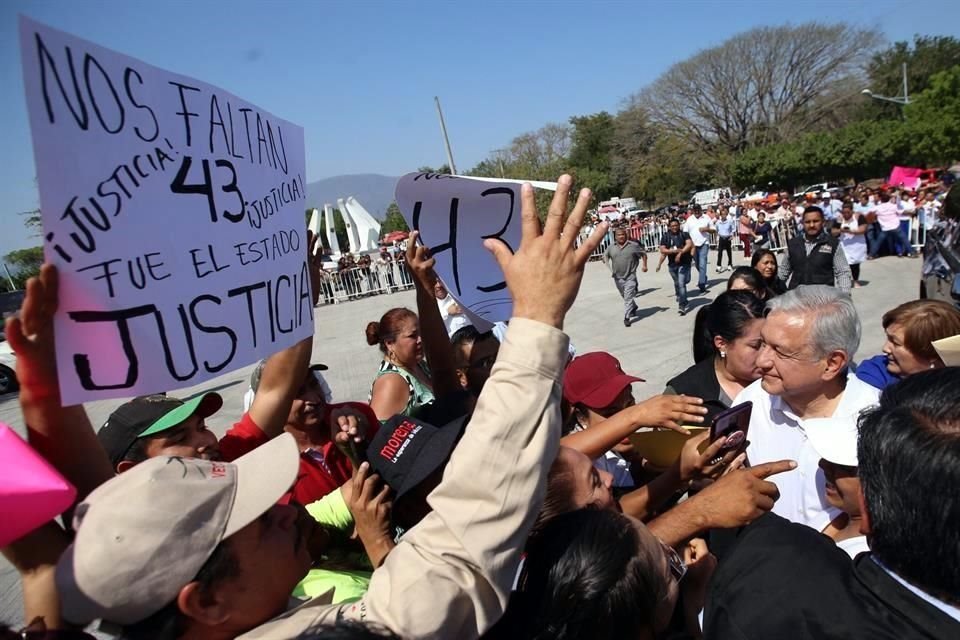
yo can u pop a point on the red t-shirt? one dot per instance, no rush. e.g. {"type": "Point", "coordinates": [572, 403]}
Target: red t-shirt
{"type": "Point", "coordinates": [321, 470]}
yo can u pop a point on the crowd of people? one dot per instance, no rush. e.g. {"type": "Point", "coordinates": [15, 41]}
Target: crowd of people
{"type": "Point", "coordinates": [490, 487]}
{"type": "Point", "coordinates": [822, 241]}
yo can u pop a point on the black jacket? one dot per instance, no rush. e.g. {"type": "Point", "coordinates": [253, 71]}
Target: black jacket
{"type": "Point", "coordinates": [817, 268]}
{"type": "Point", "coordinates": [785, 580]}
{"type": "Point", "coordinates": [700, 381]}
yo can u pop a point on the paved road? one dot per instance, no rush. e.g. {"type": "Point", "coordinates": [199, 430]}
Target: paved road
{"type": "Point", "coordinates": [655, 348]}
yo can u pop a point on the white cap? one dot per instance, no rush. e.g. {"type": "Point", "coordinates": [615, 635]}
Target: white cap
{"type": "Point", "coordinates": [144, 534]}
{"type": "Point", "coordinates": [834, 439]}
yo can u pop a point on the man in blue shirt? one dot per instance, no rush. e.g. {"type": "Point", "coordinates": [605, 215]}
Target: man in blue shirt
{"type": "Point", "coordinates": [725, 228]}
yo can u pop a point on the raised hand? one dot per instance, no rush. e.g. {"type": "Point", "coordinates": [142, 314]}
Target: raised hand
{"type": "Point", "coordinates": [421, 263]}
{"type": "Point", "coordinates": [671, 411]}
{"type": "Point", "coordinates": [31, 336]}
{"type": "Point", "coordinates": [544, 275]}
{"type": "Point", "coordinates": [315, 265]}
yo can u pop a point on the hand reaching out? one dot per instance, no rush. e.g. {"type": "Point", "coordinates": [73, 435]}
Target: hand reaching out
{"type": "Point", "coordinates": [31, 335]}
{"type": "Point", "coordinates": [741, 496]}
{"type": "Point", "coordinates": [547, 255]}
{"type": "Point", "coordinates": [670, 411]}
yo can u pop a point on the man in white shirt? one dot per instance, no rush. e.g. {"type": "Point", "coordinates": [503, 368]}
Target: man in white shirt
{"type": "Point", "coordinates": [809, 339]}
{"type": "Point", "coordinates": [698, 227]}
{"type": "Point", "coordinates": [453, 316]}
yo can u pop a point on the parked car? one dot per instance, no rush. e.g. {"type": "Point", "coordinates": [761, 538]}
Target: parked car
{"type": "Point", "coordinates": [8, 364]}
{"type": "Point", "coordinates": [940, 275]}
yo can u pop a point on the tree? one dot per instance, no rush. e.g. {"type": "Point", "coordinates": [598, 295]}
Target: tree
{"type": "Point", "coordinates": [762, 86]}
{"type": "Point", "coordinates": [393, 221]}
{"type": "Point", "coordinates": [928, 56]}
{"type": "Point", "coordinates": [933, 120]}
{"type": "Point", "coordinates": [24, 264]}
{"type": "Point", "coordinates": [591, 154]}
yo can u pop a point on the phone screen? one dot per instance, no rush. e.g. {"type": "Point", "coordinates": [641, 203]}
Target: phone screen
{"type": "Point", "coordinates": [733, 423]}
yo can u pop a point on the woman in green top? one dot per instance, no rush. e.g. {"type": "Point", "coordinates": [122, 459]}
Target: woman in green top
{"type": "Point", "coordinates": [403, 383]}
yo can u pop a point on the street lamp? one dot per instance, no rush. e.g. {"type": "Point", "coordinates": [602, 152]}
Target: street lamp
{"type": "Point", "coordinates": [902, 100]}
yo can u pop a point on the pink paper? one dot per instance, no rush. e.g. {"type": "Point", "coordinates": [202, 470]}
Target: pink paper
{"type": "Point", "coordinates": [31, 491]}
{"type": "Point", "coordinates": [905, 177]}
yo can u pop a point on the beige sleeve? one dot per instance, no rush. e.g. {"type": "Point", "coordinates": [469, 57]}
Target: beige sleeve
{"type": "Point", "coordinates": [450, 576]}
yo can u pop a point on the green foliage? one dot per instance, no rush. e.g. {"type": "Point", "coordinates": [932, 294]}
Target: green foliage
{"type": "Point", "coordinates": [591, 155]}
{"type": "Point", "coordinates": [393, 221]}
{"type": "Point", "coordinates": [927, 135]}
{"type": "Point", "coordinates": [933, 120]}
{"type": "Point", "coordinates": [23, 264]}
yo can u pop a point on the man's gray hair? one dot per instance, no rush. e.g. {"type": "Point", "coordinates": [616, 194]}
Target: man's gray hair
{"type": "Point", "coordinates": [836, 325]}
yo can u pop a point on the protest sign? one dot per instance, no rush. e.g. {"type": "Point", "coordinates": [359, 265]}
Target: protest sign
{"type": "Point", "coordinates": [454, 215]}
{"type": "Point", "coordinates": [174, 212]}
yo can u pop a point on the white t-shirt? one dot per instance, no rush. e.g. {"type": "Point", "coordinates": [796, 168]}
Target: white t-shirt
{"type": "Point", "coordinates": [693, 225]}
{"type": "Point", "coordinates": [452, 321]}
{"type": "Point", "coordinates": [776, 433]}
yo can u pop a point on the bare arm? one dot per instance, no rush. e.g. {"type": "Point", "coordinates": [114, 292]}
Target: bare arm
{"type": "Point", "coordinates": [436, 342]}
{"type": "Point", "coordinates": [62, 435]}
{"type": "Point", "coordinates": [389, 396]}
{"type": "Point", "coordinates": [286, 370]}
{"type": "Point", "coordinates": [734, 500]}
{"type": "Point", "coordinates": [665, 411]}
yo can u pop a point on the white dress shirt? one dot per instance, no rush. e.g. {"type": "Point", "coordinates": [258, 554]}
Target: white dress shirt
{"type": "Point", "coordinates": [776, 433]}
{"type": "Point", "coordinates": [453, 321]}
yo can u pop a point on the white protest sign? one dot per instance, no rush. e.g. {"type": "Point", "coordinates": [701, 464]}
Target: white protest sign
{"type": "Point", "coordinates": [454, 215]}
{"type": "Point", "coordinates": [174, 212]}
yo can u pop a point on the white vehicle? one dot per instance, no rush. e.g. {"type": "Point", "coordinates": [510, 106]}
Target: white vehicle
{"type": "Point", "coordinates": [8, 363]}
{"type": "Point", "coordinates": [814, 190]}
{"type": "Point", "coordinates": [711, 197]}
{"type": "Point", "coordinates": [623, 204]}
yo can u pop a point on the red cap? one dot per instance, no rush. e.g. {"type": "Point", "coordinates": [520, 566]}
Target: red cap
{"type": "Point", "coordinates": [595, 380]}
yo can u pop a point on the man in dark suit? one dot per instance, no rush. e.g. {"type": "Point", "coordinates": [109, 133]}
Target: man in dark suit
{"type": "Point", "coordinates": [783, 580]}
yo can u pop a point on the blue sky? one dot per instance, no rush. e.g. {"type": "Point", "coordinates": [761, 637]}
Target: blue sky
{"type": "Point", "coordinates": [360, 76]}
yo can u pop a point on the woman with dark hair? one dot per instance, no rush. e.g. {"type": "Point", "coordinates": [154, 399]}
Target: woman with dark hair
{"type": "Point", "coordinates": [729, 344]}
{"type": "Point", "coordinates": [748, 279]}
{"type": "Point", "coordinates": [403, 382]}
{"type": "Point", "coordinates": [765, 262]}
{"type": "Point", "coordinates": [592, 573]}
{"type": "Point", "coordinates": [911, 329]}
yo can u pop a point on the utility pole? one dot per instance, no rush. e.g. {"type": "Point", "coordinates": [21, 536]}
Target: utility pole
{"type": "Point", "coordinates": [500, 153]}
{"type": "Point", "coordinates": [446, 140]}
{"type": "Point", "coordinates": [13, 287]}
{"type": "Point", "coordinates": [901, 100]}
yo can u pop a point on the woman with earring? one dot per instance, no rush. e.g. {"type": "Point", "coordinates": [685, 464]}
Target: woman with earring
{"type": "Point", "coordinates": [727, 349]}
{"type": "Point", "coordinates": [911, 329]}
{"type": "Point", "coordinates": [403, 382]}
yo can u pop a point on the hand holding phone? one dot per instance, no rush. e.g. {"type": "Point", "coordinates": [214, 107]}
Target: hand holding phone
{"type": "Point", "coordinates": [734, 424]}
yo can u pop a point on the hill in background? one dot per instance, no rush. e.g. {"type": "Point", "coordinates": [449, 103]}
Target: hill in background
{"type": "Point", "coordinates": [375, 192]}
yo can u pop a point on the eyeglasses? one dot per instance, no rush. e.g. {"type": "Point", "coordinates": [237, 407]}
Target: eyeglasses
{"type": "Point", "coordinates": [678, 567]}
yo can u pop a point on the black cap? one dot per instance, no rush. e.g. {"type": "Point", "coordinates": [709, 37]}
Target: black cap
{"type": "Point", "coordinates": [405, 451]}
{"type": "Point", "coordinates": [149, 415]}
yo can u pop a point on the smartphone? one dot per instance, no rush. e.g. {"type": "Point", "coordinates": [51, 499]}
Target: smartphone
{"type": "Point", "coordinates": [733, 423]}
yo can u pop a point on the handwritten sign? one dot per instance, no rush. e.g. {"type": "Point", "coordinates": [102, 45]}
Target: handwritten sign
{"type": "Point", "coordinates": [174, 213]}
{"type": "Point", "coordinates": [454, 215]}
